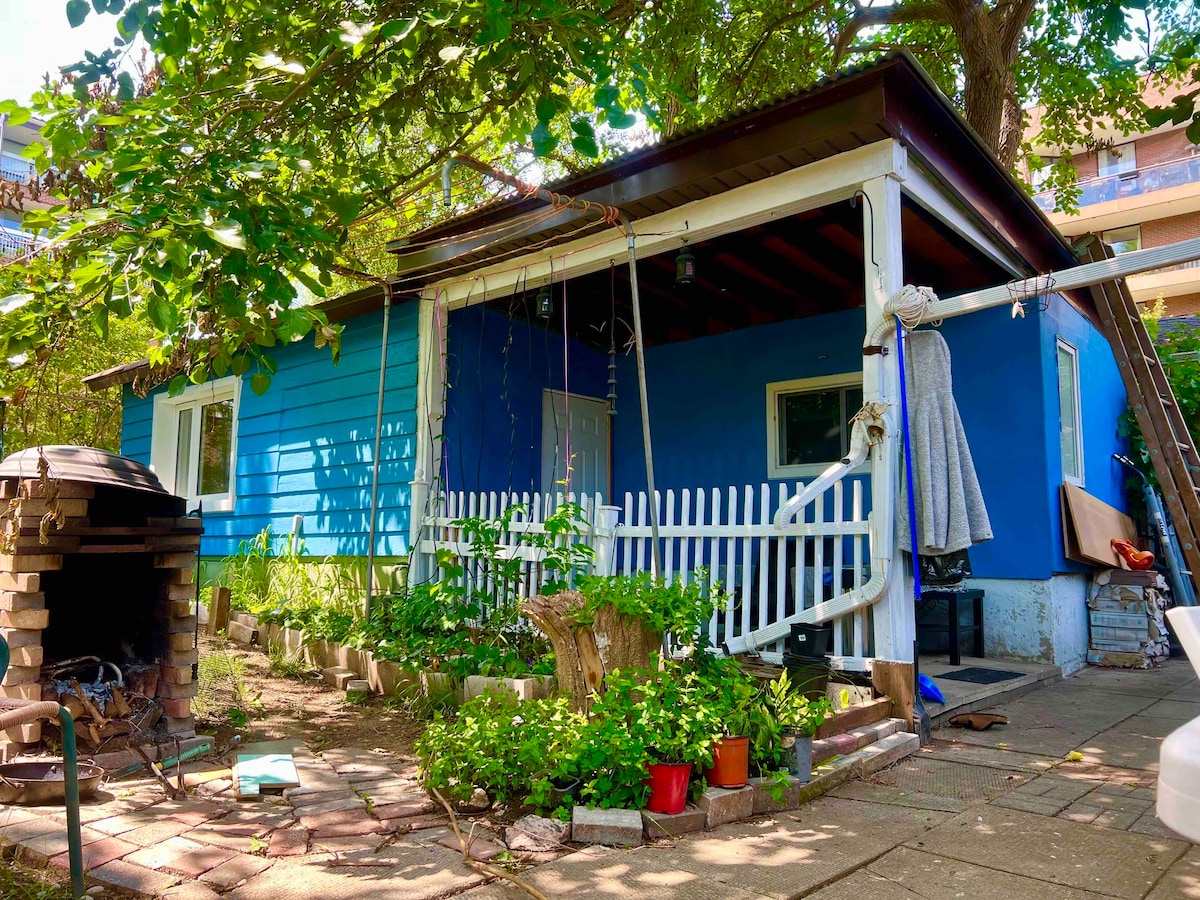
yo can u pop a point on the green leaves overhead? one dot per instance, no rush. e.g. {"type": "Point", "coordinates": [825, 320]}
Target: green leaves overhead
{"type": "Point", "coordinates": [77, 11]}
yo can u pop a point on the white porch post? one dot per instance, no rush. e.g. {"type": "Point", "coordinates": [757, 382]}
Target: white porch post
{"type": "Point", "coordinates": [431, 411]}
{"type": "Point", "coordinates": [895, 614]}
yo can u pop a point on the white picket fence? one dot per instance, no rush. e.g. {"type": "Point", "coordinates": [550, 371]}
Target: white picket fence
{"type": "Point", "coordinates": [728, 536]}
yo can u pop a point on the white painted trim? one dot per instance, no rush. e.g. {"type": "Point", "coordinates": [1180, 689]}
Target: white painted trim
{"type": "Point", "coordinates": [794, 191]}
{"type": "Point", "coordinates": [164, 437]}
{"type": "Point", "coordinates": [895, 610]}
{"type": "Point", "coordinates": [776, 470]}
{"type": "Point", "coordinates": [431, 412]}
{"type": "Point", "coordinates": [922, 189]}
{"type": "Point", "coordinates": [1073, 352]}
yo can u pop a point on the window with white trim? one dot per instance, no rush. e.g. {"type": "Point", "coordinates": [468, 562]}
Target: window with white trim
{"type": "Point", "coordinates": [1117, 161]}
{"type": "Point", "coordinates": [808, 423]}
{"type": "Point", "coordinates": [1122, 240]}
{"type": "Point", "coordinates": [194, 446]}
{"type": "Point", "coordinates": [1070, 418]}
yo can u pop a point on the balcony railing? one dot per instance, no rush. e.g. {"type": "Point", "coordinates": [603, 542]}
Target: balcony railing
{"type": "Point", "coordinates": [1130, 184]}
{"type": "Point", "coordinates": [14, 242]}
{"type": "Point", "coordinates": [16, 168]}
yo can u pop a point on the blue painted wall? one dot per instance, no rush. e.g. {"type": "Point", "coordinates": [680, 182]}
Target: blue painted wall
{"type": "Point", "coordinates": [497, 370]}
{"type": "Point", "coordinates": [306, 446]}
{"type": "Point", "coordinates": [1102, 401]}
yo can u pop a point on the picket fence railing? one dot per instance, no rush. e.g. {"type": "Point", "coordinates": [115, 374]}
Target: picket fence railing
{"type": "Point", "coordinates": [727, 536]}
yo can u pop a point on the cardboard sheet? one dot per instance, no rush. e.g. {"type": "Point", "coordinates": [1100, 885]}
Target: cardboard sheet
{"type": "Point", "coordinates": [1089, 525]}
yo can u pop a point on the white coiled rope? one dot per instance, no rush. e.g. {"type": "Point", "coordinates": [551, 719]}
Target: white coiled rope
{"type": "Point", "coordinates": [911, 304]}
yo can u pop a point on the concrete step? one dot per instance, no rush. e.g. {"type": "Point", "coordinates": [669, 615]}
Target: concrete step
{"type": "Point", "coordinates": [847, 742]}
{"type": "Point", "coordinates": [985, 696]}
{"type": "Point", "coordinates": [338, 677]}
{"type": "Point", "coordinates": [887, 751]}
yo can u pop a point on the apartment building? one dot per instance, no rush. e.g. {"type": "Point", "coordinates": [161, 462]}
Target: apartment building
{"type": "Point", "coordinates": [1141, 190]}
{"type": "Point", "coordinates": [18, 185]}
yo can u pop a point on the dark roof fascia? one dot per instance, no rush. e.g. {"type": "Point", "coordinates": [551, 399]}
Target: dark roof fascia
{"type": "Point", "coordinates": [834, 105]}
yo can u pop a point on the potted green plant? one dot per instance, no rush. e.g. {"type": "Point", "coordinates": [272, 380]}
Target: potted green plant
{"type": "Point", "coordinates": [733, 694]}
{"type": "Point", "coordinates": [799, 719]}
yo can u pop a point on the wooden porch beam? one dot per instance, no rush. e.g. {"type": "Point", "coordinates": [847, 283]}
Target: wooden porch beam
{"type": "Point", "coordinates": [796, 190]}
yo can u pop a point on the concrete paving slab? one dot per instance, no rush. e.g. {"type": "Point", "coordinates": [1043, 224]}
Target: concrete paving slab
{"type": "Point", "coordinates": [1132, 744]}
{"type": "Point", "coordinates": [1174, 709]}
{"type": "Point", "coordinates": [414, 873]}
{"type": "Point", "coordinates": [1181, 880]}
{"type": "Point", "coordinates": [906, 874]}
{"type": "Point", "coordinates": [1189, 693]}
{"type": "Point", "coordinates": [1139, 682]}
{"type": "Point", "coordinates": [1119, 864]}
{"type": "Point", "coordinates": [937, 778]}
{"type": "Point", "coordinates": [946, 746]}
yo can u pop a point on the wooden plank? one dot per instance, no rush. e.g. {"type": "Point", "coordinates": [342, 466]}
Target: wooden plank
{"type": "Point", "coordinates": [1090, 525]}
{"type": "Point", "coordinates": [894, 680]}
{"type": "Point", "coordinates": [259, 773]}
{"type": "Point", "coordinates": [218, 613]}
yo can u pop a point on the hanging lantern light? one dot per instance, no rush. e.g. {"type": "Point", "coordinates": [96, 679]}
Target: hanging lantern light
{"type": "Point", "coordinates": [545, 303]}
{"type": "Point", "coordinates": [685, 266]}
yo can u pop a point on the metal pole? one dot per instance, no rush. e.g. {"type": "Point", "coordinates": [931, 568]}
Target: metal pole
{"type": "Point", "coordinates": [383, 355]}
{"type": "Point", "coordinates": [639, 352]}
{"type": "Point", "coordinates": [71, 783]}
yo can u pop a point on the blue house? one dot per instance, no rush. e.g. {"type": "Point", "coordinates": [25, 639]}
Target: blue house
{"type": "Point", "coordinates": [767, 247]}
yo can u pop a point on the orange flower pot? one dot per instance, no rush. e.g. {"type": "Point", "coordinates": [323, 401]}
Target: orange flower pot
{"type": "Point", "coordinates": [731, 763]}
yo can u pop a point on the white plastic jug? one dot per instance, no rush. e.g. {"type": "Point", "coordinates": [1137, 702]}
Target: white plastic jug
{"type": "Point", "coordinates": [1179, 758]}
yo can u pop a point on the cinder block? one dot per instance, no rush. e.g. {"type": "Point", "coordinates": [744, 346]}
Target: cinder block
{"type": "Point", "coordinates": [22, 637]}
{"type": "Point", "coordinates": [722, 805]}
{"type": "Point", "coordinates": [336, 676]}
{"type": "Point", "coordinates": [617, 827]}
{"type": "Point", "coordinates": [24, 582]}
{"type": "Point", "coordinates": [18, 600]}
{"type": "Point", "coordinates": [22, 674]}
{"type": "Point", "coordinates": [182, 625]}
{"type": "Point", "coordinates": [241, 633]}
{"type": "Point", "coordinates": [246, 619]}
{"type": "Point", "coordinates": [168, 691]}
{"type": "Point", "coordinates": [174, 560]}
{"type": "Point", "coordinates": [358, 689]}
{"type": "Point", "coordinates": [33, 562]}
{"type": "Point", "coordinates": [180, 658]}
{"type": "Point", "coordinates": [174, 675]}
{"type": "Point", "coordinates": [180, 608]}
{"type": "Point", "coordinates": [767, 789]}
{"type": "Point", "coordinates": [64, 507]}
{"type": "Point", "coordinates": [25, 656]}
{"type": "Point", "coordinates": [180, 641]}
{"type": "Point", "coordinates": [74, 490]}
{"type": "Point", "coordinates": [665, 825]}
{"type": "Point", "coordinates": [32, 691]}
{"type": "Point", "coordinates": [182, 576]}
{"type": "Point", "coordinates": [29, 733]}
{"type": "Point", "coordinates": [25, 618]}
{"type": "Point", "coordinates": [177, 709]}
{"type": "Point", "coordinates": [182, 727]}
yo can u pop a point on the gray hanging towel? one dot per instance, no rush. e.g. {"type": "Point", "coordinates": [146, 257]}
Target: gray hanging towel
{"type": "Point", "coordinates": [951, 515]}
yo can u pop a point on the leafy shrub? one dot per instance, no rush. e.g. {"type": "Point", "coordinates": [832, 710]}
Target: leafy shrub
{"type": "Point", "coordinates": [674, 608]}
{"type": "Point", "coordinates": [510, 750]}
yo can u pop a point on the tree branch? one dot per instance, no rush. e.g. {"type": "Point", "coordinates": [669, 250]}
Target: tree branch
{"type": "Point", "coordinates": [869, 17]}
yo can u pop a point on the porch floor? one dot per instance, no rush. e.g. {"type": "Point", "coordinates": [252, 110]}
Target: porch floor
{"type": "Point", "coordinates": [964, 696]}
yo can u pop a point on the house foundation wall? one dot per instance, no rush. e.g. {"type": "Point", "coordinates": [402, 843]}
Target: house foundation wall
{"type": "Point", "coordinates": [1041, 620]}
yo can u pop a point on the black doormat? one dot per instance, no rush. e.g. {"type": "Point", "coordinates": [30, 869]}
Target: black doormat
{"type": "Point", "coordinates": [978, 675]}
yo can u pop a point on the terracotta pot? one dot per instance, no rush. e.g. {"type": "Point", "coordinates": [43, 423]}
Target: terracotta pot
{"type": "Point", "coordinates": [731, 763]}
{"type": "Point", "coordinates": [668, 787]}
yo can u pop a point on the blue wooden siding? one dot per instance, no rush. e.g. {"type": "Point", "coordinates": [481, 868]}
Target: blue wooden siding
{"type": "Point", "coordinates": [498, 369]}
{"type": "Point", "coordinates": [305, 447]}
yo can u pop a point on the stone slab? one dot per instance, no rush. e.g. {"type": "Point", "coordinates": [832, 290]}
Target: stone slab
{"type": "Point", "coordinates": [135, 879]}
{"type": "Point", "coordinates": [241, 633]}
{"type": "Point", "coordinates": [1119, 864]}
{"type": "Point", "coordinates": [620, 827]}
{"type": "Point", "coordinates": [774, 794]}
{"type": "Point", "coordinates": [724, 805]}
{"type": "Point", "coordinates": [905, 874]}
{"type": "Point", "coordinates": [414, 873]}
{"type": "Point", "coordinates": [233, 872]}
{"type": "Point", "coordinates": [338, 677]}
{"type": "Point", "coordinates": [1181, 880]}
{"type": "Point", "coordinates": [667, 825]}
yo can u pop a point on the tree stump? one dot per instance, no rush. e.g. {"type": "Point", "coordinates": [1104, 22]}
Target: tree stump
{"type": "Point", "coordinates": [585, 653]}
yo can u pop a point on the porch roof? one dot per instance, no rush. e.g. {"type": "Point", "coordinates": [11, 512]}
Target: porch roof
{"type": "Point", "coordinates": [893, 98]}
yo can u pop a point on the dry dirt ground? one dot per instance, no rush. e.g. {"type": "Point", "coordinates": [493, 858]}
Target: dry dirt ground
{"type": "Point", "coordinates": [237, 681]}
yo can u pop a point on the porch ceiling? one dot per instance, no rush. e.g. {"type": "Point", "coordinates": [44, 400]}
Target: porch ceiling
{"type": "Point", "coordinates": [801, 266]}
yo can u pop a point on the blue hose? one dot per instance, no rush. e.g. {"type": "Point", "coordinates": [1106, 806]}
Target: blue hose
{"type": "Point", "coordinates": [912, 501]}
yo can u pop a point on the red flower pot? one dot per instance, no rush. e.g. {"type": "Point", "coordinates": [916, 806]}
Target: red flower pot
{"type": "Point", "coordinates": [731, 763]}
{"type": "Point", "coordinates": [668, 787]}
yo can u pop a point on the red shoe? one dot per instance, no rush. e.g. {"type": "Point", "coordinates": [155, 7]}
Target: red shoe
{"type": "Point", "coordinates": [1138, 560]}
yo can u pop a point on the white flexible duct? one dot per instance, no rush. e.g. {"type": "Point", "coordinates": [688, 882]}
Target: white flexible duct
{"type": "Point", "coordinates": [911, 304]}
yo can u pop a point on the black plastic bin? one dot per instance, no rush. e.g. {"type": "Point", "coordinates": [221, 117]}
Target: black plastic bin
{"type": "Point", "coordinates": [810, 640]}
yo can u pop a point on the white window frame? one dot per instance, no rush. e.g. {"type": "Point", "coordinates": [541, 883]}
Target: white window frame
{"type": "Point", "coordinates": [1071, 351]}
{"type": "Point", "coordinates": [1121, 160]}
{"type": "Point", "coordinates": [1106, 237]}
{"type": "Point", "coordinates": [775, 469]}
{"type": "Point", "coordinates": [165, 438]}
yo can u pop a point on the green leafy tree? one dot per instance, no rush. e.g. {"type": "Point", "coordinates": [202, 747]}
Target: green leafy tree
{"type": "Point", "coordinates": [260, 154]}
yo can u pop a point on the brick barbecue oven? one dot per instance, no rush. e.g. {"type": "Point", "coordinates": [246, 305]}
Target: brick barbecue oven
{"type": "Point", "coordinates": [98, 561]}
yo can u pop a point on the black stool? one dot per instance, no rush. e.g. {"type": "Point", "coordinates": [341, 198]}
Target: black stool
{"type": "Point", "coordinates": [953, 597]}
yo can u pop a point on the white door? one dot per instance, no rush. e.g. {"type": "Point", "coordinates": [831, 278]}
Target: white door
{"type": "Point", "coordinates": [579, 426]}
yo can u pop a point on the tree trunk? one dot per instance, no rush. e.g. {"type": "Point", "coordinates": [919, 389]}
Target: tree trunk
{"type": "Point", "coordinates": [584, 654]}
